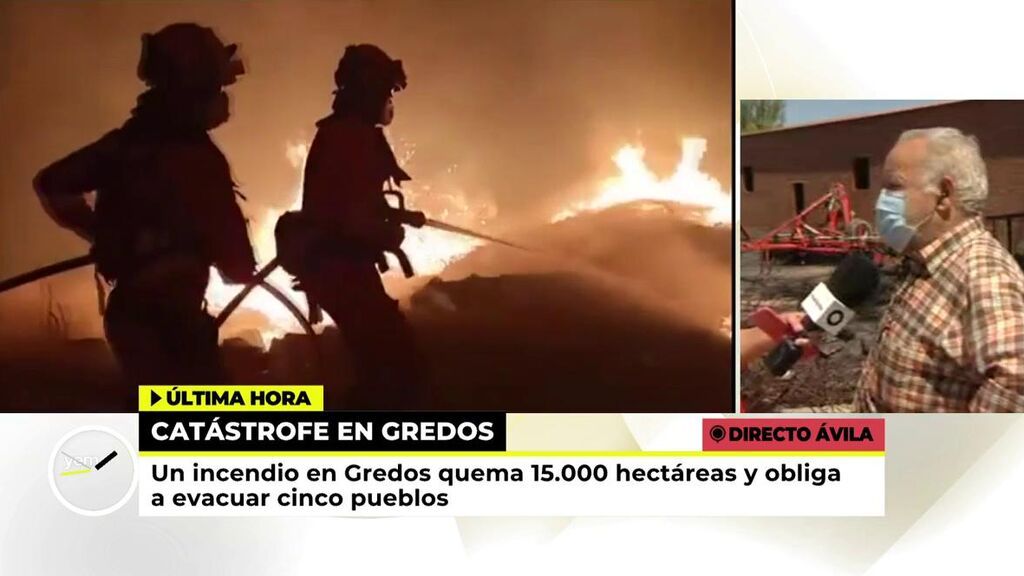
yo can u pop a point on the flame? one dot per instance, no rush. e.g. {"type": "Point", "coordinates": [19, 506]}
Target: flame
{"type": "Point", "coordinates": [430, 250]}
{"type": "Point", "coordinates": [687, 186]}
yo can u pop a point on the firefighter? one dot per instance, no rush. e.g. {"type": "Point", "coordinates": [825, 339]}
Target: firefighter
{"type": "Point", "coordinates": [165, 209]}
{"type": "Point", "coordinates": [349, 165]}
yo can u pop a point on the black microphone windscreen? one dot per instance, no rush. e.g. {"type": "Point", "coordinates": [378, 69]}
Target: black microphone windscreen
{"type": "Point", "coordinates": [854, 280]}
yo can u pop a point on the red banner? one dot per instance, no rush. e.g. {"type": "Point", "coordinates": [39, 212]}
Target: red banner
{"type": "Point", "coordinates": [794, 434]}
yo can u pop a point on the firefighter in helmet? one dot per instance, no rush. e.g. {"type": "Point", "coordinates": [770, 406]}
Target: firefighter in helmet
{"type": "Point", "coordinates": [165, 209]}
{"type": "Point", "coordinates": [350, 164]}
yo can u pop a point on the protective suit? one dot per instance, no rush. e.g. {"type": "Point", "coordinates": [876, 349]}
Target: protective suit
{"type": "Point", "coordinates": [348, 166]}
{"type": "Point", "coordinates": [165, 210]}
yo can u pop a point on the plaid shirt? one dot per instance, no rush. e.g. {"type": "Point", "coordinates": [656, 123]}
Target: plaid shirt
{"type": "Point", "coordinates": [952, 339]}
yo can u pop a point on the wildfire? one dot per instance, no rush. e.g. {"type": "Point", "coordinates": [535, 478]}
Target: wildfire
{"type": "Point", "coordinates": [430, 250]}
{"type": "Point", "coordinates": [688, 185]}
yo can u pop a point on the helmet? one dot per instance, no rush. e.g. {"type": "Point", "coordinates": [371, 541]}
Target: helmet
{"type": "Point", "coordinates": [366, 78]}
{"type": "Point", "coordinates": [188, 57]}
{"type": "Point", "coordinates": [368, 69]}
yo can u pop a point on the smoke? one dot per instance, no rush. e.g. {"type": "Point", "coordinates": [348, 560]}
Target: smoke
{"type": "Point", "coordinates": [516, 103]}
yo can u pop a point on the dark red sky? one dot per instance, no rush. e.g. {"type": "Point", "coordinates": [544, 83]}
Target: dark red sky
{"type": "Point", "coordinates": [528, 99]}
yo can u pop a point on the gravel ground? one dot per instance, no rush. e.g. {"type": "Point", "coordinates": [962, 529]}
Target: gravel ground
{"type": "Point", "coordinates": [820, 384]}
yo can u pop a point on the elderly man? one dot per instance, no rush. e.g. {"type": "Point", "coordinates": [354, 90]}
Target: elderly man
{"type": "Point", "coordinates": [952, 339]}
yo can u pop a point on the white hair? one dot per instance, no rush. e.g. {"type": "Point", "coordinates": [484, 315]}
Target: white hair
{"type": "Point", "coordinates": [957, 156]}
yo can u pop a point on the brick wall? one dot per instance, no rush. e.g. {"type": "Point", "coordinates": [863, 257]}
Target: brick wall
{"type": "Point", "coordinates": [820, 154]}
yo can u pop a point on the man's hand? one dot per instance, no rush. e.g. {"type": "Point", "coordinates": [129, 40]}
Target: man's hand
{"type": "Point", "coordinates": [72, 213]}
{"type": "Point", "coordinates": [63, 185]}
{"type": "Point", "coordinates": [392, 236]}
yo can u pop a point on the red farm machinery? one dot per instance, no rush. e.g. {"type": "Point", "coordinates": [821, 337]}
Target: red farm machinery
{"type": "Point", "coordinates": [838, 233]}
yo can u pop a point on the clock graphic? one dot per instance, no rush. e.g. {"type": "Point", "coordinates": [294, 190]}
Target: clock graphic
{"type": "Point", "coordinates": [93, 471]}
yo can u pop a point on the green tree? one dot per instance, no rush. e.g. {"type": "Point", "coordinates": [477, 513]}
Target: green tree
{"type": "Point", "coordinates": [757, 115]}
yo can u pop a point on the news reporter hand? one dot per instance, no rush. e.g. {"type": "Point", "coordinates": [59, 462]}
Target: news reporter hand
{"type": "Point", "coordinates": [795, 321]}
{"type": "Point", "coordinates": [755, 343]}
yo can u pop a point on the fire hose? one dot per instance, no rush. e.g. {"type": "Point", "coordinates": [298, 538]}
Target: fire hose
{"type": "Point", "coordinates": [416, 219]}
{"type": "Point", "coordinates": [399, 214]}
{"type": "Point", "coordinates": [438, 225]}
{"type": "Point", "coordinates": [46, 272]}
{"type": "Point", "coordinates": [88, 260]}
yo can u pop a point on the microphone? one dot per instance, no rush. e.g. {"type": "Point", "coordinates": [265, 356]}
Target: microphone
{"type": "Point", "coordinates": [829, 307]}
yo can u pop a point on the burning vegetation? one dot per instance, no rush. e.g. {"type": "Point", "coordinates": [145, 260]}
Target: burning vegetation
{"type": "Point", "coordinates": [688, 195]}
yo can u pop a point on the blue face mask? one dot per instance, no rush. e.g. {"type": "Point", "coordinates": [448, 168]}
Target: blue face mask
{"type": "Point", "coordinates": [891, 220]}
